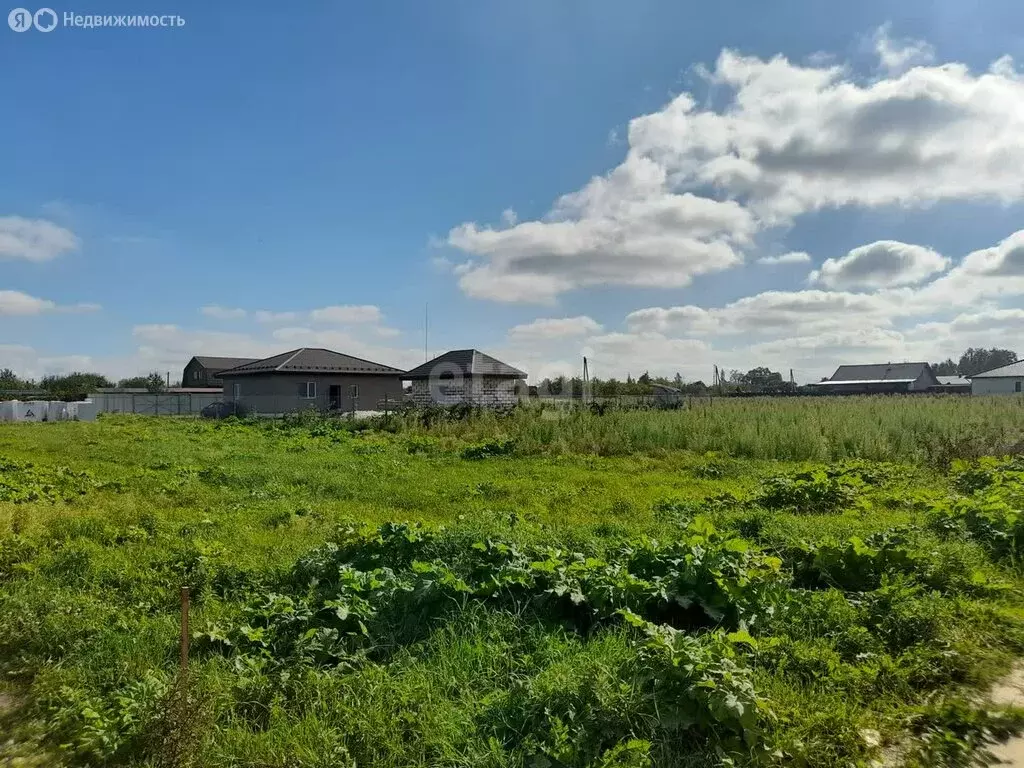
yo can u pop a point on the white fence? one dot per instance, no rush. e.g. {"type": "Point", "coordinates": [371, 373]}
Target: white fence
{"type": "Point", "coordinates": [47, 410]}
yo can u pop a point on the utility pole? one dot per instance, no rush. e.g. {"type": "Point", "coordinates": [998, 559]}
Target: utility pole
{"type": "Point", "coordinates": [586, 382]}
{"type": "Point", "coordinates": [426, 329]}
{"type": "Point", "coordinates": [168, 379]}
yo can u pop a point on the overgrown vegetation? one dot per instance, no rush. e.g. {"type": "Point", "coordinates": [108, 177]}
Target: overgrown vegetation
{"type": "Point", "coordinates": [459, 592]}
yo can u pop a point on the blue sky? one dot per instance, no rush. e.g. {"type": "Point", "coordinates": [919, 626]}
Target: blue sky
{"type": "Point", "coordinates": [289, 159]}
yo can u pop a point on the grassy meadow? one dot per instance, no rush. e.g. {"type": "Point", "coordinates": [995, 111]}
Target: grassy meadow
{"type": "Point", "coordinates": [821, 582]}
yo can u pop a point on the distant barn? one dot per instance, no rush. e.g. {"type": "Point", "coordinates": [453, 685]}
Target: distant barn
{"type": "Point", "coordinates": [882, 378]}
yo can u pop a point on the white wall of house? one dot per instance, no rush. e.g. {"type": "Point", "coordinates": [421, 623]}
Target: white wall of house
{"type": "Point", "coordinates": [485, 391]}
{"type": "Point", "coordinates": [1001, 385]}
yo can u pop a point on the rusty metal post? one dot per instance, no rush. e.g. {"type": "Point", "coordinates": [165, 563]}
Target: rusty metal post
{"type": "Point", "coordinates": [184, 629]}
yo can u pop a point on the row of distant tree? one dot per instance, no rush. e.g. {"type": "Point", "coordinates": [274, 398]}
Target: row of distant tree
{"type": "Point", "coordinates": [755, 380]}
{"type": "Point", "coordinates": [760, 379]}
{"type": "Point", "coordinates": [76, 384]}
{"type": "Point", "coordinates": [975, 360]}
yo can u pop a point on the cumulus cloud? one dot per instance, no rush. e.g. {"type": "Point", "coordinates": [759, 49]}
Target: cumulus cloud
{"type": "Point", "coordinates": [341, 314]}
{"type": "Point", "coordinates": [347, 314]}
{"type": "Point", "coordinates": [770, 312]}
{"type": "Point", "coordinates": [992, 273]}
{"type": "Point", "coordinates": [34, 239]}
{"type": "Point", "coordinates": [626, 228]}
{"type": "Point", "coordinates": [800, 138]}
{"type": "Point", "coordinates": [223, 313]}
{"type": "Point", "coordinates": [17, 303]}
{"type": "Point", "coordinates": [896, 56]}
{"type": "Point", "coordinates": [880, 264]}
{"type": "Point", "coordinates": [265, 316]}
{"type": "Point", "coordinates": [553, 328]}
{"type": "Point", "coordinates": [697, 184]}
{"type": "Point", "coordinates": [793, 257]}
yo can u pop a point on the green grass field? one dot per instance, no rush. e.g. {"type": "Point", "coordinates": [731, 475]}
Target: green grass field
{"type": "Point", "coordinates": [813, 582]}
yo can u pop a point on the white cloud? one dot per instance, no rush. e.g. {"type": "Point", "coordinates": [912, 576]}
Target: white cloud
{"type": "Point", "coordinates": [880, 264]}
{"type": "Point", "coordinates": [626, 228]}
{"type": "Point", "coordinates": [553, 328]}
{"type": "Point", "coordinates": [618, 354]}
{"type": "Point", "coordinates": [697, 184]}
{"type": "Point", "coordinates": [264, 316]}
{"type": "Point", "coordinates": [896, 56]}
{"type": "Point", "coordinates": [347, 314]}
{"type": "Point", "coordinates": [687, 319]}
{"type": "Point", "coordinates": [771, 312]}
{"type": "Point", "coordinates": [17, 303]}
{"type": "Point", "coordinates": [223, 313]}
{"type": "Point", "coordinates": [793, 257]}
{"type": "Point", "coordinates": [987, 274]}
{"type": "Point", "coordinates": [34, 239]}
{"type": "Point", "coordinates": [797, 138]}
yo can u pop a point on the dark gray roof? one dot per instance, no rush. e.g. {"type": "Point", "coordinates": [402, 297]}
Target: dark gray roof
{"type": "Point", "coordinates": [222, 363]}
{"type": "Point", "coordinates": [312, 360]}
{"type": "Point", "coordinates": [466, 362]}
{"type": "Point", "coordinates": [1013, 370]}
{"type": "Point", "coordinates": [880, 372]}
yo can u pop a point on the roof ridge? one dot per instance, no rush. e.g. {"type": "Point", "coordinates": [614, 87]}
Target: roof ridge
{"type": "Point", "coordinates": [294, 355]}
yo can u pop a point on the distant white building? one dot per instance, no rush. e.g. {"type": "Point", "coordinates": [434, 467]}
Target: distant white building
{"type": "Point", "coordinates": [1005, 380]}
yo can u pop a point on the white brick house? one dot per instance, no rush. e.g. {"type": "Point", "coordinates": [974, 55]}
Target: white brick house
{"type": "Point", "coordinates": [1005, 380]}
{"type": "Point", "coordinates": [466, 376]}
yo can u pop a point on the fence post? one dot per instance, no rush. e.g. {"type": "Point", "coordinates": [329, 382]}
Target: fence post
{"type": "Point", "coordinates": [184, 629]}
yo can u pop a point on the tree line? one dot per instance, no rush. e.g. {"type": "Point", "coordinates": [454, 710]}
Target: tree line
{"type": "Point", "coordinates": [975, 360]}
{"type": "Point", "coordinates": [77, 384]}
{"type": "Point", "coordinates": [759, 379]}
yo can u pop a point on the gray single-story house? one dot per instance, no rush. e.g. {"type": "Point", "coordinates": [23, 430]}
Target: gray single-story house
{"type": "Point", "coordinates": [882, 378]}
{"type": "Point", "coordinates": [319, 379]}
{"type": "Point", "coordinates": [466, 376]}
{"type": "Point", "coordinates": [1004, 380]}
{"type": "Point", "coordinates": [204, 371]}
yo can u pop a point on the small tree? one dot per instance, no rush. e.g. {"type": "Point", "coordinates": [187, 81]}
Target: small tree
{"type": "Point", "coordinates": [154, 382]}
{"type": "Point", "coordinates": [10, 380]}
{"type": "Point", "coordinates": [134, 382]}
{"type": "Point", "coordinates": [977, 360]}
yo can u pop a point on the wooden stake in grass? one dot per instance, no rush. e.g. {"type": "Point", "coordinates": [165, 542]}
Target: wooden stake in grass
{"type": "Point", "coordinates": [184, 629]}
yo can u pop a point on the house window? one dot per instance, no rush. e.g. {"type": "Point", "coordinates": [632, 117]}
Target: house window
{"type": "Point", "coordinates": [354, 389]}
{"type": "Point", "coordinates": [1016, 386]}
{"type": "Point", "coordinates": [195, 375]}
{"type": "Point", "coordinates": [236, 389]}
{"type": "Point", "coordinates": [307, 390]}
